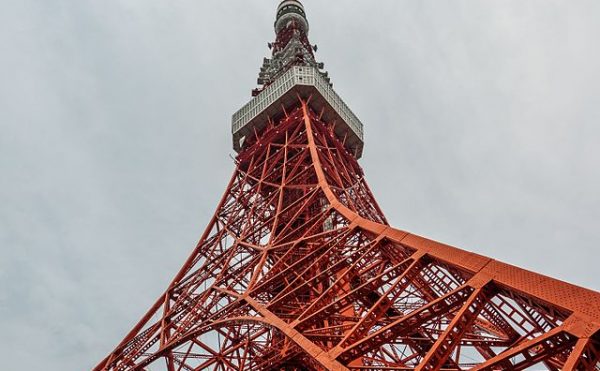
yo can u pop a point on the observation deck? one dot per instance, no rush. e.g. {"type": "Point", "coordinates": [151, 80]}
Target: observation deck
{"type": "Point", "coordinates": [303, 81]}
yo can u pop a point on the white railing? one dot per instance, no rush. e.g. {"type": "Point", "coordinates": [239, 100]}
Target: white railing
{"type": "Point", "coordinates": [297, 75]}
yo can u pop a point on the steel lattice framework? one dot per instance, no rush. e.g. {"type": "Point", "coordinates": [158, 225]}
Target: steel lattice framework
{"type": "Point", "coordinates": [299, 270]}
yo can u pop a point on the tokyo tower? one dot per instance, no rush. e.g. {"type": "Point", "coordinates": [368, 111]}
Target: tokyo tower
{"type": "Point", "coordinates": [299, 269]}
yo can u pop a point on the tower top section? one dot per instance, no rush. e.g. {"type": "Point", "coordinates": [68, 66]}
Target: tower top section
{"type": "Point", "coordinates": [291, 11]}
{"type": "Point", "coordinates": [291, 46]}
{"type": "Point", "coordinates": [292, 72]}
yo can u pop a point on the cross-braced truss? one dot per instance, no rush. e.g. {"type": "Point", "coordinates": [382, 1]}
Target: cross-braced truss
{"type": "Point", "coordinates": [299, 270]}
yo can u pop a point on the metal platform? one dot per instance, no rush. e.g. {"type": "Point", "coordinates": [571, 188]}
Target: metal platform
{"type": "Point", "coordinates": [304, 82]}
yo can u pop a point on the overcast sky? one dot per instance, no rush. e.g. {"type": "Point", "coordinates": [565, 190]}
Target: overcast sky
{"type": "Point", "coordinates": [481, 127]}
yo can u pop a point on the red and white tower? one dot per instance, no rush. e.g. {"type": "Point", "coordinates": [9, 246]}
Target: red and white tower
{"type": "Point", "coordinates": [299, 270]}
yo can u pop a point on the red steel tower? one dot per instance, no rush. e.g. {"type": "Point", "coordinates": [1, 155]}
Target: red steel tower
{"type": "Point", "coordinates": [299, 270]}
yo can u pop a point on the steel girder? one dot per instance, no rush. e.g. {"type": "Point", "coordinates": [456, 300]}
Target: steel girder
{"type": "Point", "coordinates": [298, 269]}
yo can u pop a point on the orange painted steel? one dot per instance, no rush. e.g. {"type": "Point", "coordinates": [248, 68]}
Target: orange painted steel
{"type": "Point", "coordinates": [299, 269]}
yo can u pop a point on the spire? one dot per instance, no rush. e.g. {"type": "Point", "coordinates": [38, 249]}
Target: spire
{"type": "Point", "coordinates": [291, 46]}
{"type": "Point", "coordinates": [291, 11]}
